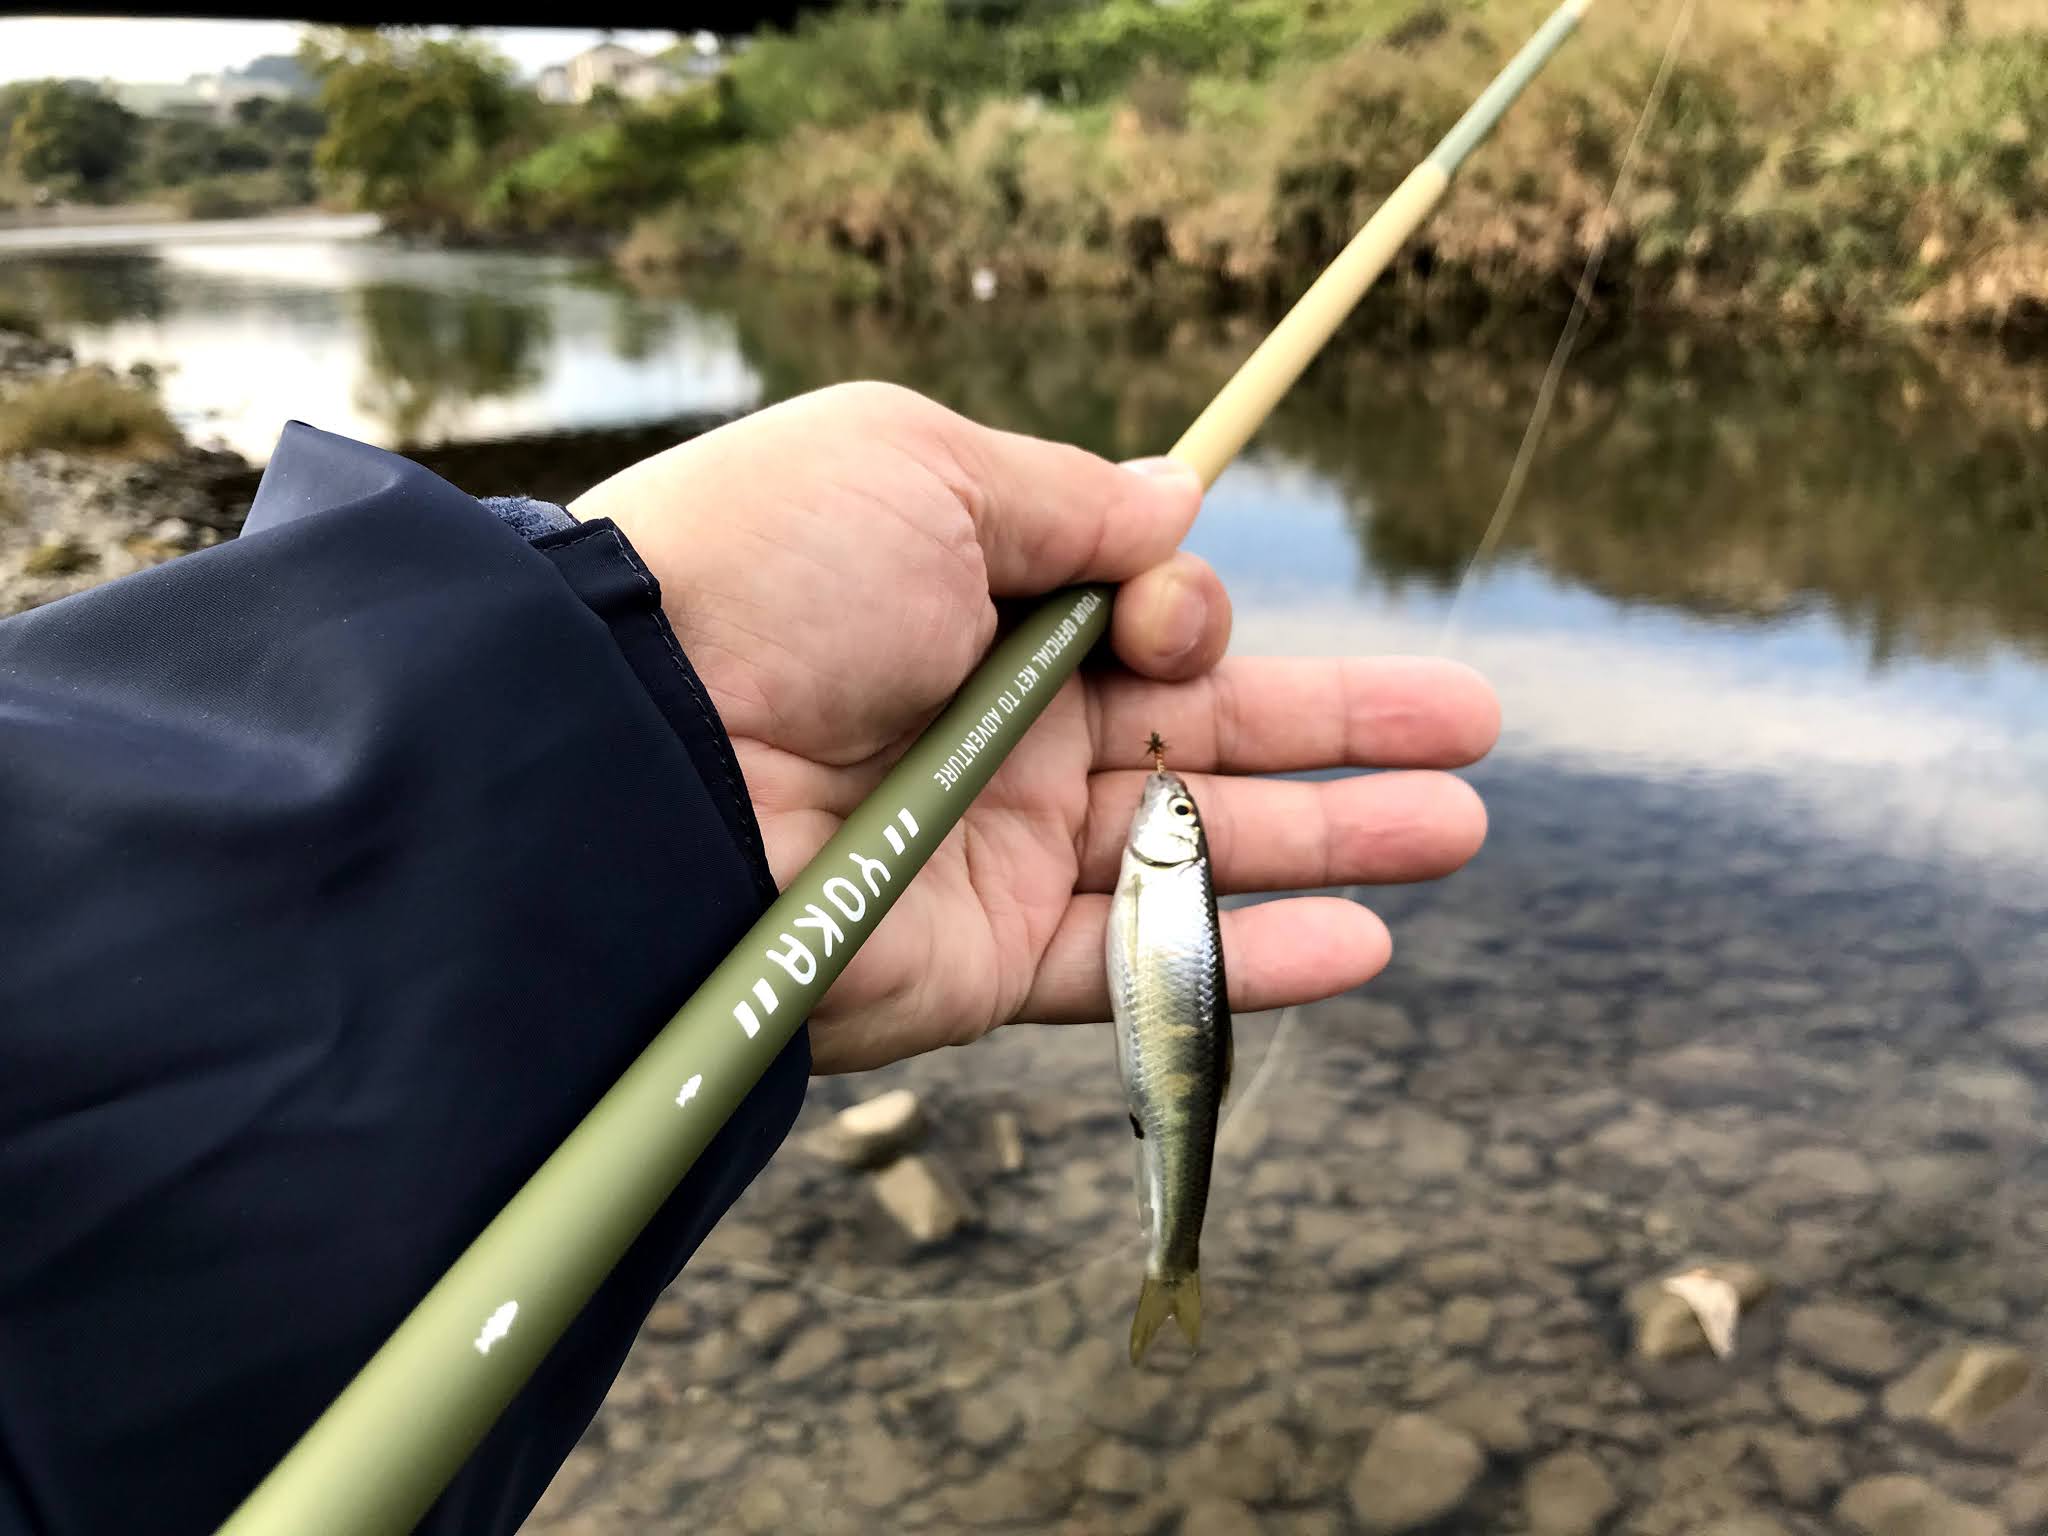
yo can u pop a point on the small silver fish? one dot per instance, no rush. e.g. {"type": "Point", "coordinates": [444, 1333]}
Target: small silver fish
{"type": "Point", "coordinates": [1173, 1044]}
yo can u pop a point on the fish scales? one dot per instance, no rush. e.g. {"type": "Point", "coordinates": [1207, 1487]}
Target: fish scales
{"type": "Point", "coordinates": [1167, 990]}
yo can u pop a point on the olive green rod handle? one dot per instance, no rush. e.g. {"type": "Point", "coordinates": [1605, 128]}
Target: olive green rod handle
{"type": "Point", "coordinates": [376, 1460]}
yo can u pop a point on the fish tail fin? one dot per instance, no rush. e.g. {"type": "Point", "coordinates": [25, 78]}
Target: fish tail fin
{"type": "Point", "coordinates": [1160, 1297]}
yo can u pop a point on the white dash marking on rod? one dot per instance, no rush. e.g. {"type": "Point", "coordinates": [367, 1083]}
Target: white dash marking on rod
{"type": "Point", "coordinates": [744, 1012]}
{"type": "Point", "coordinates": [895, 839]}
{"type": "Point", "coordinates": [689, 1090]}
{"type": "Point", "coordinates": [766, 994]}
{"type": "Point", "coordinates": [909, 821]}
{"type": "Point", "coordinates": [496, 1326]}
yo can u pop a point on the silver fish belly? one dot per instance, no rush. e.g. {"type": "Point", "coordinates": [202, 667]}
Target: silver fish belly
{"type": "Point", "coordinates": [1166, 986]}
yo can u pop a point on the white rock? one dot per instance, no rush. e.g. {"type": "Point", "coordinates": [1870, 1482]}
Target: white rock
{"type": "Point", "coordinates": [1715, 1304]}
{"type": "Point", "coordinates": [925, 1203]}
{"type": "Point", "coordinates": [1008, 1133]}
{"type": "Point", "coordinates": [870, 1134]}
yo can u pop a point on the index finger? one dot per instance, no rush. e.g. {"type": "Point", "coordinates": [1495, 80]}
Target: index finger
{"type": "Point", "coordinates": [1288, 715]}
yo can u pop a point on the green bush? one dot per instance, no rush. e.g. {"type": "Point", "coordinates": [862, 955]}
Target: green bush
{"type": "Point", "coordinates": [239, 195]}
{"type": "Point", "coordinates": [604, 175]}
{"type": "Point", "coordinates": [842, 66]}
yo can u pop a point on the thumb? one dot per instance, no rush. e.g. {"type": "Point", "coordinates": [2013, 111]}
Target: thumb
{"type": "Point", "coordinates": [1047, 514]}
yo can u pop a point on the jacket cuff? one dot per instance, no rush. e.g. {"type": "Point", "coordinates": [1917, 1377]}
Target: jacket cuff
{"type": "Point", "coordinates": [528, 516]}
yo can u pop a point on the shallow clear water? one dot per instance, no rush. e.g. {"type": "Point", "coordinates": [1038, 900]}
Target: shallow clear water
{"type": "Point", "coordinates": [1754, 966]}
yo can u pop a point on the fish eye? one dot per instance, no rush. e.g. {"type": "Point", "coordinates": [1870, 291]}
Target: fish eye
{"type": "Point", "coordinates": [1182, 808]}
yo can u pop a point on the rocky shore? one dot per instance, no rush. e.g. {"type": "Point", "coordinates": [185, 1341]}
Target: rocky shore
{"type": "Point", "coordinates": [69, 520]}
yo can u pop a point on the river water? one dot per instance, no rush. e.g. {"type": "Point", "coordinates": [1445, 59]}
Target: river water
{"type": "Point", "coordinates": [1754, 968]}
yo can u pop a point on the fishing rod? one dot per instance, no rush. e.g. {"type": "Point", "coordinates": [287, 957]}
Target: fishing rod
{"type": "Point", "coordinates": [376, 1460]}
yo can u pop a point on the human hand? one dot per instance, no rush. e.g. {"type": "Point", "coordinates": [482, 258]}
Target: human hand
{"type": "Point", "coordinates": [831, 567]}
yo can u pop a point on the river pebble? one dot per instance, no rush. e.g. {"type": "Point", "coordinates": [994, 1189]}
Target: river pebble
{"type": "Point", "coordinates": [1897, 1505]}
{"type": "Point", "coordinates": [1416, 1470]}
{"type": "Point", "coordinates": [1569, 1494]}
{"type": "Point", "coordinates": [870, 1133]}
{"type": "Point", "coordinates": [1851, 1340]}
{"type": "Point", "coordinates": [924, 1201]}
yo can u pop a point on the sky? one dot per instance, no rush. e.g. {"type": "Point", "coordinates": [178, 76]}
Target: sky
{"type": "Point", "coordinates": [100, 48]}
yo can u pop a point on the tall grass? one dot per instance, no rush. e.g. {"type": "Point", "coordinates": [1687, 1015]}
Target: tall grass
{"type": "Point", "coordinates": [86, 411]}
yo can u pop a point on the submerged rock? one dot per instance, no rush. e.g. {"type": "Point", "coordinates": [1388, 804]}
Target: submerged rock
{"type": "Point", "coordinates": [1114, 1467]}
{"type": "Point", "coordinates": [1897, 1505]}
{"type": "Point", "coordinates": [1568, 1494]}
{"type": "Point", "coordinates": [767, 1317]}
{"type": "Point", "coordinates": [1984, 1398]}
{"type": "Point", "coordinates": [1415, 1472]}
{"type": "Point", "coordinates": [924, 1202]}
{"type": "Point", "coordinates": [1667, 1322]}
{"type": "Point", "coordinates": [1465, 1322]}
{"type": "Point", "coordinates": [2027, 1038]}
{"type": "Point", "coordinates": [1369, 1254]}
{"type": "Point", "coordinates": [1497, 1419]}
{"type": "Point", "coordinates": [1007, 1132]}
{"type": "Point", "coordinates": [1815, 1399]}
{"type": "Point", "coordinates": [1428, 1147]}
{"type": "Point", "coordinates": [1818, 1176]}
{"type": "Point", "coordinates": [1853, 1341]}
{"type": "Point", "coordinates": [1984, 1379]}
{"type": "Point", "coordinates": [870, 1134]}
{"type": "Point", "coordinates": [1806, 1468]}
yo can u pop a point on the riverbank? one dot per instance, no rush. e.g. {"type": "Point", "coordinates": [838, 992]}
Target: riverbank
{"type": "Point", "coordinates": [1817, 164]}
{"type": "Point", "coordinates": [95, 482]}
{"type": "Point", "coordinates": [146, 225]}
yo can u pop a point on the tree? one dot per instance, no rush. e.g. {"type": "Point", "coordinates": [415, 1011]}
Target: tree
{"type": "Point", "coordinates": [414, 124]}
{"type": "Point", "coordinates": [69, 137]}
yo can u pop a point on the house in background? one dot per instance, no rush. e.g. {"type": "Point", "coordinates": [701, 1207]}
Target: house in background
{"type": "Point", "coordinates": [632, 74]}
{"type": "Point", "coordinates": [274, 76]}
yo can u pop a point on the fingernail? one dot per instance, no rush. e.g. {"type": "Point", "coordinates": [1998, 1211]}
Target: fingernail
{"type": "Point", "coordinates": [1180, 628]}
{"type": "Point", "coordinates": [1164, 467]}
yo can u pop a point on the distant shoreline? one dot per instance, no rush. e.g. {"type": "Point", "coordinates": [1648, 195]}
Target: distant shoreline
{"type": "Point", "coordinates": [67, 215]}
{"type": "Point", "coordinates": [139, 225]}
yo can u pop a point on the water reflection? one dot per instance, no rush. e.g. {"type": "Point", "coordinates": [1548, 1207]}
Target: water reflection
{"type": "Point", "coordinates": [430, 354]}
{"type": "Point", "coordinates": [252, 334]}
{"type": "Point", "coordinates": [1906, 493]}
{"type": "Point", "coordinates": [90, 294]}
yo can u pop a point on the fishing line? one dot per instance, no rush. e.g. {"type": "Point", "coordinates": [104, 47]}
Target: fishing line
{"type": "Point", "coordinates": [1546, 392]}
{"type": "Point", "coordinates": [822, 1290]}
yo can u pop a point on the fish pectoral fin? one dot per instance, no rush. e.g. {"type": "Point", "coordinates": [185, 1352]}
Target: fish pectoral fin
{"type": "Point", "coordinates": [1160, 1297]}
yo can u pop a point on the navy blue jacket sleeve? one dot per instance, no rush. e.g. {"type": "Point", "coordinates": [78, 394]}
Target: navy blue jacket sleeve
{"type": "Point", "coordinates": [342, 868]}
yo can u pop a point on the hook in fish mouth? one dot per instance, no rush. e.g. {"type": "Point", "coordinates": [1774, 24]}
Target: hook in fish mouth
{"type": "Point", "coordinates": [1158, 750]}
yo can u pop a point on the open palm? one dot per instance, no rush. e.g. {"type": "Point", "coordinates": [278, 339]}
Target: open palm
{"type": "Point", "coordinates": [832, 568]}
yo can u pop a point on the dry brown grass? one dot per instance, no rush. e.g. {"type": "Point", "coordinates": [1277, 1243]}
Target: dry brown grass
{"type": "Point", "coordinates": [86, 411]}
